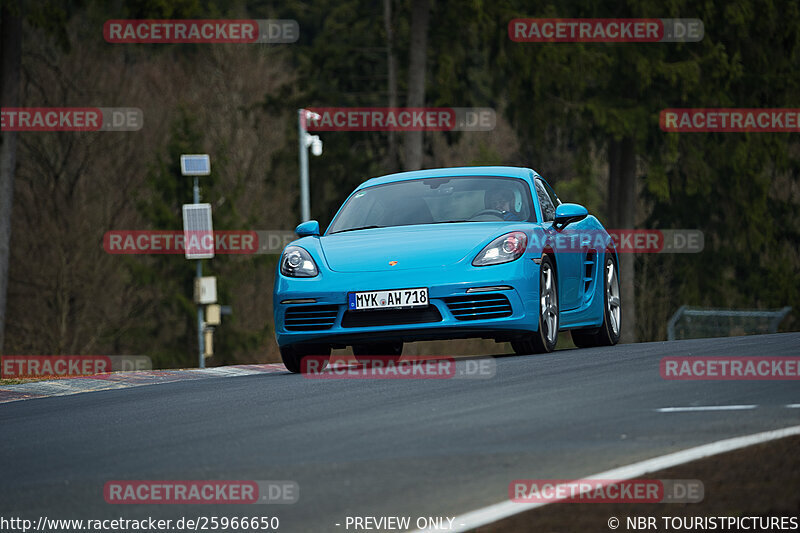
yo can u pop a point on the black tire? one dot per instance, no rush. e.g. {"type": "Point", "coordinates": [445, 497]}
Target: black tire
{"type": "Point", "coordinates": [383, 351]}
{"type": "Point", "coordinates": [584, 338]}
{"type": "Point", "coordinates": [541, 341]}
{"type": "Point", "coordinates": [305, 358]}
{"type": "Point", "coordinates": [609, 331]}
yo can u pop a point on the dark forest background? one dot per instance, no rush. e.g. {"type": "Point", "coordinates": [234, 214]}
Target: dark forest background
{"type": "Point", "coordinates": [585, 116]}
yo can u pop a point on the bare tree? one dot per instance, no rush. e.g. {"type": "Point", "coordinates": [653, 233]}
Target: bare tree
{"type": "Point", "coordinates": [11, 36]}
{"type": "Point", "coordinates": [622, 211]}
{"type": "Point", "coordinates": [420, 15]}
{"type": "Point", "coordinates": [391, 65]}
{"type": "Point", "coordinates": [67, 294]}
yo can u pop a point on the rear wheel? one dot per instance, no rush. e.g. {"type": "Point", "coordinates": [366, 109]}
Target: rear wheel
{"type": "Point", "coordinates": [608, 333]}
{"type": "Point", "coordinates": [544, 340]}
{"type": "Point", "coordinates": [382, 351]}
{"type": "Point", "coordinates": [305, 358]}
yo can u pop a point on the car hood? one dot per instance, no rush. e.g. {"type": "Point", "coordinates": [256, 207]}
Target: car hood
{"type": "Point", "coordinates": [418, 246]}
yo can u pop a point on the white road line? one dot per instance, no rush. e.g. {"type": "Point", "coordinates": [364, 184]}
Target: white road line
{"type": "Point", "coordinates": [504, 509]}
{"type": "Point", "coordinates": [705, 408]}
{"type": "Point", "coordinates": [793, 405]}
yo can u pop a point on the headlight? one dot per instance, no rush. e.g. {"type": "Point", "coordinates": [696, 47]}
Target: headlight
{"type": "Point", "coordinates": [296, 262]}
{"type": "Point", "coordinates": [503, 249]}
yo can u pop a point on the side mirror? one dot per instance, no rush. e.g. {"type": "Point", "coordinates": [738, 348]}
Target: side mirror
{"type": "Point", "coordinates": [569, 213]}
{"type": "Point", "coordinates": [310, 227]}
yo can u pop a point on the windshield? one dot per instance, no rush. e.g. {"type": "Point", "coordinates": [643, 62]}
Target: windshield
{"type": "Point", "coordinates": [435, 201]}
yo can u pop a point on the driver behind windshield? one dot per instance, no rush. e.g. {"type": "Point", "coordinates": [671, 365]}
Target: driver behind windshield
{"type": "Point", "coordinates": [502, 199]}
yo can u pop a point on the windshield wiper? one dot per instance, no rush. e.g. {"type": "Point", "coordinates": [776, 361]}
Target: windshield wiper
{"type": "Point", "coordinates": [354, 229]}
{"type": "Point", "coordinates": [450, 221]}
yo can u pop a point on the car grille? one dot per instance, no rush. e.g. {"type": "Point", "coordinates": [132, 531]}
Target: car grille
{"type": "Point", "coordinates": [478, 306]}
{"type": "Point", "coordinates": [390, 317]}
{"type": "Point", "coordinates": [311, 317]}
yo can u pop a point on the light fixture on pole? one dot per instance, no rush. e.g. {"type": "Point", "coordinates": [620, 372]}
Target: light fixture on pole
{"type": "Point", "coordinates": [306, 141]}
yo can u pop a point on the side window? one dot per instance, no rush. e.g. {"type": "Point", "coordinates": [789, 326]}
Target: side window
{"type": "Point", "coordinates": [551, 194]}
{"type": "Point", "coordinates": [548, 209]}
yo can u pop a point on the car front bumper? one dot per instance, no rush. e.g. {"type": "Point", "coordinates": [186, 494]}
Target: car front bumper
{"type": "Point", "coordinates": [453, 312]}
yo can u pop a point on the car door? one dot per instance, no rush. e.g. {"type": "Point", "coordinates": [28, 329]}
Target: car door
{"type": "Point", "coordinates": [568, 261]}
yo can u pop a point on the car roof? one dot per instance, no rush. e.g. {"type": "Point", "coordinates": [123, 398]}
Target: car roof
{"type": "Point", "coordinates": [500, 171]}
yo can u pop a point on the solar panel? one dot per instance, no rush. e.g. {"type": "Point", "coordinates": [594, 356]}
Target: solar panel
{"type": "Point", "coordinates": [198, 232]}
{"type": "Point", "coordinates": [195, 165]}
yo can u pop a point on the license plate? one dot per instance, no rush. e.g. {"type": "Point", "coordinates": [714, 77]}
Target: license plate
{"type": "Point", "coordinates": [393, 299]}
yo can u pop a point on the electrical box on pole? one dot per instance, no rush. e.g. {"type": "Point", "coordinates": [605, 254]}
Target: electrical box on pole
{"type": "Point", "coordinates": [198, 235]}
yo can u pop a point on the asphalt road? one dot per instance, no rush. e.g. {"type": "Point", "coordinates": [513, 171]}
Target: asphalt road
{"type": "Point", "coordinates": [379, 447]}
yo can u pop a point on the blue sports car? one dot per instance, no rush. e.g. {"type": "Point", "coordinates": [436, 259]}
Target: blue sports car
{"type": "Point", "coordinates": [447, 253]}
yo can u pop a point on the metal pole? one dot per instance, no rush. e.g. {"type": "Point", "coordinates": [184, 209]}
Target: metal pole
{"type": "Point", "coordinates": [779, 316]}
{"type": "Point", "coordinates": [673, 321]}
{"type": "Point", "coordinates": [200, 338]}
{"type": "Point", "coordinates": [305, 202]}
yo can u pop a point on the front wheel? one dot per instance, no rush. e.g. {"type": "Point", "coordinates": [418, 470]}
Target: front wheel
{"type": "Point", "coordinates": [609, 332]}
{"type": "Point", "coordinates": [543, 340]}
{"type": "Point", "coordinates": [305, 359]}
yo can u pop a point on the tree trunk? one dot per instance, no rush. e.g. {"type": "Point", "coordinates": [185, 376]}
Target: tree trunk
{"type": "Point", "coordinates": [420, 14]}
{"type": "Point", "coordinates": [11, 38]}
{"type": "Point", "coordinates": [622, 216]}
{"type": "Point", "coordinates": [392, 81]}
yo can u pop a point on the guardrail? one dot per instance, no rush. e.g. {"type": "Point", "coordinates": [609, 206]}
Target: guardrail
{"type": "Point", "coordinates": [769, 321]}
